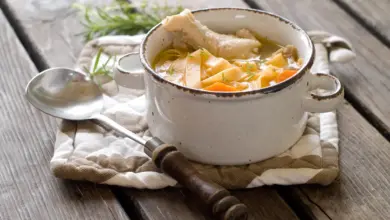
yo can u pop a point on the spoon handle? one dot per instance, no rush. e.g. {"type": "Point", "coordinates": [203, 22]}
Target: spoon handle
{"type": "Point", "coordinates": [222, 205]}
{"type": "Point", "coordinates": [108, 122]}
{"type": "Point", "coordinates": [173, 163]}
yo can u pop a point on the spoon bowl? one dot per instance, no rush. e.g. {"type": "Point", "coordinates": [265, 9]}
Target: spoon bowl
{"type": "Point", "coordinates": [69, 94]}
{"type": "Point", "coordinates": [65, 93]}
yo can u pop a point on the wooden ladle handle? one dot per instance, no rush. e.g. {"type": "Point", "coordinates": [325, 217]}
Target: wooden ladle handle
{"type": "Point", "coordinates": [173, 163]}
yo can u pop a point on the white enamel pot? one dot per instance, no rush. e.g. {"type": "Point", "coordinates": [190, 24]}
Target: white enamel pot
{"type": "Point", "coordinates": [242, 127]}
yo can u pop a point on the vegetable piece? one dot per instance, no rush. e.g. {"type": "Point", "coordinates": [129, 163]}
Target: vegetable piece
{"type": "Point", "coordinates": [216, 65]}
{"type": "Point", "coordinates": [285, 75]}
{"type": "Point", "coordinates": [246, 66]}
{"type": "Point", "coordinates": [262, 82]}
{"type": "Point", "coordinates": [278, 60]}
{"type": "Point", "coordinates": [228, 75]}
{"type": "Point", "coordinates": [267, 75]}
{"type": "Point", "coordinates": [192, 75]}
{"type": "Point", "coordinates": [218, 86]}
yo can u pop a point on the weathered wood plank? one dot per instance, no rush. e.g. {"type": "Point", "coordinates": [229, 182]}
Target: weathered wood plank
{"type": "Point", "coordinates": [366, 79]}
{"type": "Point", "coordinates": [361, 191]}
{"type": "Point", "coordinates": [57, 44]}
{"type": "Point", "coordinates": [27, 188]}
{"type": "Point", "coordinates": [174, 204]}
{"type": "Point", "coordinates": [374, 14]}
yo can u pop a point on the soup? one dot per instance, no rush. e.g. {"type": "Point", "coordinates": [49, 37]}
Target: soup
{"type": "Point", "coordinates": [203, 59]}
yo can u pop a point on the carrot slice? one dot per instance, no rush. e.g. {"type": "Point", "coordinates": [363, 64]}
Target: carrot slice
{"type": "Point", "coordinates": [218, 86]}
{"type": "Point", "coordinates": [285, 75]}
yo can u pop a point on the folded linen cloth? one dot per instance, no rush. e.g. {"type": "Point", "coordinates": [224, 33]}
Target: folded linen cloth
{"type": "Point", "coordinates": [85, 151]}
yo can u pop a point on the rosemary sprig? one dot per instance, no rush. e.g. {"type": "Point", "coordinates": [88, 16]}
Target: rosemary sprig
{"type": "Point", "coordinates": [103, 70]}
{"type": "Point", "coordinates": [123, 18]}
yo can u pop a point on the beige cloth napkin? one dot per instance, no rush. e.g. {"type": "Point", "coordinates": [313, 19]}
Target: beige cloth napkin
{"type": "Point", "coordinates": [85, 151]}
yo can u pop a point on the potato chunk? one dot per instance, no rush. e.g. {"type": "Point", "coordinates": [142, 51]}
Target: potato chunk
{"type": "Point", "coordinates": [228, 75]}
{"type": "Point", "coordinates": [278, 60]}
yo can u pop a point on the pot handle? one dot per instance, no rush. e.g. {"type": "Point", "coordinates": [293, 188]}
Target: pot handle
{"type": "Point", "coordinates": [328, 96]}
{"type": "Point", "coordinates": [129, 72]}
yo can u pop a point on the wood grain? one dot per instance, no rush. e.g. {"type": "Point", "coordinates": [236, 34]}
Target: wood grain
{"type": "Point", "coordinates": [361, 191]}
{"type": "Point", "coordinates": [27, 188]}
{"type": "Point", "coordinates": [366, 78]}
{"type": "Point", "coordinates": [174, 204]}
{"type": "Point", "coordinates": [56, 43]}
{"type": "Point", "coordinates": [374, 14]}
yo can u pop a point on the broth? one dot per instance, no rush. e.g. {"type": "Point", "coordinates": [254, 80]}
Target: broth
{"type": "Point", "coordinates": [236, 62]}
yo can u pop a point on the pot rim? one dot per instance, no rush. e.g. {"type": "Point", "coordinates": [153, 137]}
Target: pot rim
{"type": "Point", "coordinates": [267, 90]}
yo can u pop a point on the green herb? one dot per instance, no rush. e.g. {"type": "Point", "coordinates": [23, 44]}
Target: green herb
{"type": "Point", "coordinates": [203, 54]}
{"type": "Point", "coordinates": [190, 56]}
{"type": "Point", "coordinates": [223, 77]}
{"type": "Point", "coordinates": [249, 68]}
{"type": "Point", "coordinates": [123, 18]}
{"type": "Point", "coordinates": [103, 70]}
{"type": "Point", "coordinates": [251, 77]}
{"type": "Point", "coordinates": [170, 70]}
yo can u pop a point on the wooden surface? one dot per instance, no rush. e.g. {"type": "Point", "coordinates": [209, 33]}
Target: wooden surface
{"type": "Point", "coordinates": [27, 188]}
{"type": "Point", "coordinates": [374, 14]}
{"type": "Point", "coordinates": [173, 204]}
{"type": "Point", "coordinates": [361, 191]}
{"type": "Point", "coordinates": [366, 78]}
{"type": "Point", "coordinates": [57, 45]}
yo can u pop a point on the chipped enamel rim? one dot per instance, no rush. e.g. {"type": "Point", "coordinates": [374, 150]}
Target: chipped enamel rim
{"type": "Point", "coordinates": [267, 90]}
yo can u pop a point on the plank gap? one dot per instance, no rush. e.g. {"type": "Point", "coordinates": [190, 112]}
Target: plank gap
{"type": "Point", "coordinates": [367, 114]}
{"type": "Point", "coordinates": [295, 202]}
{"type": "Point", "coordinates": [29, 46]}
{"type": "Point", "coordinates": [375, 121]}
{"type": "Point", "coordinates": [381, 37]}
{"type": "Point", "coordinates": [127, 204]}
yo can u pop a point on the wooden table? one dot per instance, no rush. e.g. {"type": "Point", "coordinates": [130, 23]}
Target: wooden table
{"type": "Point", "coordinates": [35, 35]}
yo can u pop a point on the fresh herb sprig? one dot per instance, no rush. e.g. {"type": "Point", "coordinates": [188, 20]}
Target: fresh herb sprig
{"type": "Point", "coordinates": [103, 70]}
{"type": "Point", "coordinates": [123, 18]}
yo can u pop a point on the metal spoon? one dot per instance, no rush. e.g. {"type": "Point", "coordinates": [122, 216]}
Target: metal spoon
{"type": "Point", "coordinates": [71, 95]}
